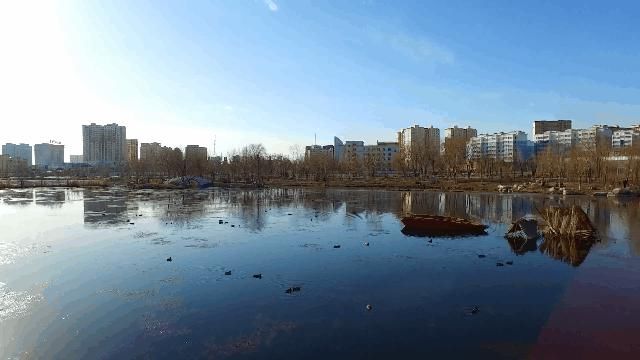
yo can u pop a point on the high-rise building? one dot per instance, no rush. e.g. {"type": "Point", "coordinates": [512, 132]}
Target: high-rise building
{"type": "Point", "coordinates": [456, 139]}
{"type": "Point", "coordinates": [501, 146]}
{"type": "Point", "coordinates": [542, 126]}
{"type": "Point", "coordinates": [418, 138]}
{"type": "Point", "coordinates": [76, 159]}
{"type": "Point", "coordinates": [18, 151]}
{"type": "Point", "coordinates": [195, 152]}
{"type": "Point", "coordinates": [13, 166]}
{"type": "Point", "coordinates": [49, 155]}
{"type": "Point", "coordinates": [150, 151]}
{"type": "Point", "coordinates": [132, 149]}
{"type": "Point", "coordinates": [460, 133]}
{"type": "Point", "coordinates": [104, 144]}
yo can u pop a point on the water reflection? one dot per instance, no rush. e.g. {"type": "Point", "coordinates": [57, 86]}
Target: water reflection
{"type": "Point", "coordinates": [119, 285]}
{"type": "Point", "coordinates": [570, 250]}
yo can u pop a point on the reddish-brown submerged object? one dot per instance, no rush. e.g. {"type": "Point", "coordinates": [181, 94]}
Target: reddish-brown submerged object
{"type": "Point", "coordinates": [442, 225]}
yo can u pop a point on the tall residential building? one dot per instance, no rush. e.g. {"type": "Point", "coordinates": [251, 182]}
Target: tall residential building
{"type": "Point", "coordinates": [418, 138]}
{"type": "Point", "coordinates": [49, 155]}
{"type": "Point", "coordinates": [76, 159]}
{"type": "Point", "coordinates": [104, 144]}
{"type": "Point", "coordinates": [460, 133]}
{"type": "Point", "coordinates": [132, 149]}
{"type": "Point", "coordinates": [455, 136]}
{"type": "Point", "coordinates": [501, 146]}
{"type": "Point", "coordinates": [18, 151]}
{"type": "Point", "coordinates": [195, 152]}
{"type": "Point", "coordinates": [150, 151]}
{"type": "Point", "coordinates": [13, 166]}
{"type": "Point", "coordinates": [542, 126]}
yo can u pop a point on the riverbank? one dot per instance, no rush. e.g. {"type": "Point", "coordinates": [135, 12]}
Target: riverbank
{"type": "Point", "coordinates": [382, 183]}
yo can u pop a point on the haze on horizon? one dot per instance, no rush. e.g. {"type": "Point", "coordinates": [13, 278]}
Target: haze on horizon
{"type": "Point", "coordinates": [279, 71]}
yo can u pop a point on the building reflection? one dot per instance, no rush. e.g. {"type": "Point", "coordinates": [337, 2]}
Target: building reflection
{"type": "Point", "coordinates": [18, 197]}
{"type": "Point", "coordinates": [105, 207]}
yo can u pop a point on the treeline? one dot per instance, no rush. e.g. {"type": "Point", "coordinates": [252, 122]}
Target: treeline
{"type": "Point", "coordinates": [252, 164]}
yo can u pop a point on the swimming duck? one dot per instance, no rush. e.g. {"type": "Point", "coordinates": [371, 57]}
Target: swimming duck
{"type": "Point", "coordinates": [257, 276]}
{"type": "Point", "coordinates": [169, 258]}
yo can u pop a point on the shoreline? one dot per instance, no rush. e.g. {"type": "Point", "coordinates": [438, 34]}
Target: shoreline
{"type": "Point", "coordinates": [392, 184]}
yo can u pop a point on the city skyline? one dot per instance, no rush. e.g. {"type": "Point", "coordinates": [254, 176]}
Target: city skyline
{"type": "Point", "coordinates": [278, 73]}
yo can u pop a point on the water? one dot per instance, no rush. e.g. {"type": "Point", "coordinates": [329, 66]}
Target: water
{"type": "Point", "coordinates": [78, 280]}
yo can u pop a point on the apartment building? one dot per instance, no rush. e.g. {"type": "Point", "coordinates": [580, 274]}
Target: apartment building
{"type": "Point", "coordinates": [49, 156]}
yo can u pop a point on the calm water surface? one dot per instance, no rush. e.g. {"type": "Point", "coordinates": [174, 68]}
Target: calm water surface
{"type": "Point", "coordinates": [83, 274]}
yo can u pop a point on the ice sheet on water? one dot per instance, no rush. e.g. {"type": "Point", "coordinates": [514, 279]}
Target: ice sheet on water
{"type": "Point", "coordinates": [14, 303]}
{"type": "Point", "coordinates": [9, 252]}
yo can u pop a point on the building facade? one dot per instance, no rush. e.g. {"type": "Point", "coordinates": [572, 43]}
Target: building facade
{"type": "Point", "coordinates": [558, 141]}
{"type": "Point", "coordinates": [195, 152]}
{"type": "Point", "coordinates": [502, 146]}
{"type": "Point", "coordinates": [150, 151]}
{"type": "Point", "coordinates": [49, 156]}
{"type": "Point", "coordinates": [382, 154]}
{"type": "Point", "coordinates": [76, 159]}
{"type": "Point", "coordinates": [10, 166]}
{"type": "Point", "coordinates": [621, 139]}
{"type": "Point", "coordinates": [542, 126]}
{"type": "Point", "coordinates": [460, 133]}
{"type": "Point", "coordinates": [319, 151]}
{"type": "Point", "coordinates": [19, 151]}
{"type": "Point", "coordinates": [104, 144]}
{"type": "Point", "coordinates": [132, 150]}
{"type": "Point", "coordinates": [418, 138]}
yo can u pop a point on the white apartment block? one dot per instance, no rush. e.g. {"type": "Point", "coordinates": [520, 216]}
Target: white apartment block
{"type": "Point", "coordinates": [49, 155]}
{"type": "Point", "coordinates": [460, 133]}
{"type": "Point", "coordinates": [502, 146]}
{"type": "Point", "coordinates": [76, 159]}
{"type": "Point", "coordinates": [418, 138]}
{"type": "Point", "coordinates": [104, 144]}
{"type": "Point", "coordinates": [558, 141]}
{"type": "Point", "coordinates": [625, 138]}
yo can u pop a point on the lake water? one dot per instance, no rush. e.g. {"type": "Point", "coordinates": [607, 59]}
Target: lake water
{"type": "Point", "coordinates": [84, 274]}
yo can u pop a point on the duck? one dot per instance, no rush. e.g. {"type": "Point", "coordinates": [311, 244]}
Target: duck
{"type": "Point", "coordinates": [366, 243]}
{"type": "Point", "coordinates": [169, 259]}
{"type": "Point", "coordinates": [369, 307]}
{"type": "Point", "coordinates": [257, 276]}
{"type": "Point", "coordinates": [509, 262]}
{"type": "Point", "coordinates": [228, 272]}
{"type": "Point", "coordinates": [482, 256]}
{"type": "Point", "coordinates": [336, 246]}
{"type": "Point", "coordinates": [499, 264]}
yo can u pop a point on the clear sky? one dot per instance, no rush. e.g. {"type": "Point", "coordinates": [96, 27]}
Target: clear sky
{"type": "Point", "coordinates": [278, 71]}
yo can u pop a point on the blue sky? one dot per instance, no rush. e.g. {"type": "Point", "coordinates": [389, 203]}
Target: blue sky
{"type": "Point", "coordinates": [279, 71]}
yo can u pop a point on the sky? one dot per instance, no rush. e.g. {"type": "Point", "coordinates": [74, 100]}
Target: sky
{"type": "Point", "coordinates": [279, 72]}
